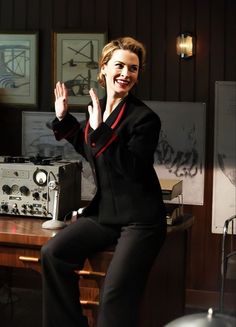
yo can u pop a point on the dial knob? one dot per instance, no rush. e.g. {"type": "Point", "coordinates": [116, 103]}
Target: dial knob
{"type": "Point", "coordinates": [40, 177]}
{"type": "Point", "coordinates": [14, 189]}
{"type": "Point", "coordinates": [6, 189]}
{"type": "Point", "coordinates": [36, 195]}
{"type": "Point", "coordinates": [45, 196]}
{"type": "Point", "coordinates": [24, 190]}
{"type": "Point", "coordinates": [4, 207]}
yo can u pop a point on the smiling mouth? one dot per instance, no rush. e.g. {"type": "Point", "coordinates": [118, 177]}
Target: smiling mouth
{"type": "Point", "coordinates": [122, 82]}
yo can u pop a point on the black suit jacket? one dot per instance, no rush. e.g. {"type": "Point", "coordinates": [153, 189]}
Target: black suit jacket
{"type": "Point", "coordinates": [121, 154]}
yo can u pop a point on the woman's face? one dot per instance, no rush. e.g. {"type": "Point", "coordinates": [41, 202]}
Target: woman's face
{"type": "Point", "coordinates": [121, 72]}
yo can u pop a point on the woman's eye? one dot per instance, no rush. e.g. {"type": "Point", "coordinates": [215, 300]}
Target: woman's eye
{"type": "Point", "coordinates": [133, 68]}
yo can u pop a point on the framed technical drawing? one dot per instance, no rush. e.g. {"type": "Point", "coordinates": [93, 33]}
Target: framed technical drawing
{"type": "Point", "coordinates": [18, 68]}
{"type": "Point", "coordinates": [224, 173]}
{"type": "Point", "coordinates": [180, 153]}
{"type": "Point", "coordinates": [76, 57]}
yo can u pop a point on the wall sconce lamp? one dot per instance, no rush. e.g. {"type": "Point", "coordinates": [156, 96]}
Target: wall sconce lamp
{"type": "Point", "coordinates": [184, 45]}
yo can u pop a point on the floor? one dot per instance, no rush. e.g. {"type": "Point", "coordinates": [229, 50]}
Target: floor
{"type": "Point", "coordinates": [20, 307]}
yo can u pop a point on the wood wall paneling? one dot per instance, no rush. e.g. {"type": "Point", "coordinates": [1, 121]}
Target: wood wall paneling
{"type": "Point", "coordinates": [230, 43]}
{"type": "Point", "coordinates": [187, 67]}
{"type": "Point", "coordinates": [88, 16]}
{"type": "Point", "coordinates": [74, 14]}
{"type": "Point", "coordinates": [217, 39]}
{"type": "Point", "coordinates": [116, 19]}
{"type": "Point", "coordinates": [202, 51]}
{"type": "Point", "coordinates": [101, 14]}
{"type": "Point", "coordinates": [6, 14]}
{"type": "Point", "coordinates": [60, 14]}
{"type": "Point", "coordinates": [20, 15]}
{"type": "Point", "coordinates": [32, 16]}
{"type": "Point", "coordinates": [144, 35]}
{"type": "Point", "coordinates": [157, 51]}
{"type": "Point", "coordinates": [129, 18]}
{"type": "Point", "coordinates": [172, 61]}
{"type": "Point", "coordinates": [46, 27]}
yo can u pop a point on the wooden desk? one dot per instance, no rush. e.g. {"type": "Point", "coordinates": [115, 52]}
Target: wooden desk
{"type": "Point", "coordinates": [164, 299]}
{"type": "Point", "coordinates": [21, 240]}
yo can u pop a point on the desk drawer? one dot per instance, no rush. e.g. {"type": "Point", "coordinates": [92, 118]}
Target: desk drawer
{"type": "Point", "coordinates": [20, 258]}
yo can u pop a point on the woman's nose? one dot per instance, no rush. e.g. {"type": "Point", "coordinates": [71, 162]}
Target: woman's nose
{"type": "Point", "coordinates": [124, 71]}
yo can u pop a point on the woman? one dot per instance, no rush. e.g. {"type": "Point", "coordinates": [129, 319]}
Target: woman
{"type": "Point", "coordinates": [118, 139]}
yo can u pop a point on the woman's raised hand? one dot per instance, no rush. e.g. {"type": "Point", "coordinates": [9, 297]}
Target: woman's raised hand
{"type": "Point", "coordinates": [61, 105]}
{"type": "Point", "coordinates": [95, 115]}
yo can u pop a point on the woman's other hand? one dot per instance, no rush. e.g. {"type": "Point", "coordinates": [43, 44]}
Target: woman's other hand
{"type": "Point", "coordinates": [95, 116]}
{"type": "Point", "coordinates": [61, 100]}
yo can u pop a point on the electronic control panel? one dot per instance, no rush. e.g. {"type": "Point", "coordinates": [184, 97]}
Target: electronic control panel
{"type": "Point", "coordinates": [29, 188]}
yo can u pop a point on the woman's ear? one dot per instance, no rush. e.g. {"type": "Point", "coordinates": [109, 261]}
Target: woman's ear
{"type": "Point", "coordinates": [103, 70]}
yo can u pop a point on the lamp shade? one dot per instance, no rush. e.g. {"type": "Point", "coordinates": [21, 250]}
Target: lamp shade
{"type": "Point", "coordinates": [184, 45]}
{"type": "Point", "coordinates": [209, 319]}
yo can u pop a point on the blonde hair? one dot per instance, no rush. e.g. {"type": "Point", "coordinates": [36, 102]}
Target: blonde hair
{"type": "Point", "coordinates": [124, 43]}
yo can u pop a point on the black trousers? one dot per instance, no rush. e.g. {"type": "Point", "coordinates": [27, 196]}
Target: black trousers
{"type": "Point", "coordinates": [136, 249]}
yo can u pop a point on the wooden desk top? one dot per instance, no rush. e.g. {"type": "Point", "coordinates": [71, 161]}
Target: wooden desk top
{"type": "Point", "coordinates": [18, 230]}
{"type": "Point", "coordinates": [29, 231]}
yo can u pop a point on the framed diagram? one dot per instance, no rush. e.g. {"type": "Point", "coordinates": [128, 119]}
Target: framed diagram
{"type": "Point", "coordinates": [76, 57]}
{"type": "Point", "coordinates": [180, 153]}
{"type": "Point", "coordinates": [18, 68]}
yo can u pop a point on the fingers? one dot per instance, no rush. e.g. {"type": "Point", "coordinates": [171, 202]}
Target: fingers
{"type": "Point", "coordinates": [64, 90]}
{"type": "Point", "coordinates": [57, 90]}
{"type": "Point", "coordinates": [90, 110]}
{"type": "Point", "coordinates": [94, 97]}
{"type": "Point", "coordinates": [95, 101]}
{"type": "Point", "coordinates": [94, 110]}
{"type": "Point", "coordinates": [60, 90]}
{"type": "Point", "coordinates": [61, 105]}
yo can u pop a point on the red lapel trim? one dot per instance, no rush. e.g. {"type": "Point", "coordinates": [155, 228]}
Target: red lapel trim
{"type": "Point", "coordinates": [114, 136]}
{"type": "Point", "coordinates": [118, 118]}
{"type": "Point", "coordinates": [86, 132]}
{"type": "Point", "coordinates": [113, 126]}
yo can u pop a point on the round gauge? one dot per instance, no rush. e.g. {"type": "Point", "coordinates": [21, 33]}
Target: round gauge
{"type": "Point", "coordinates": [14, 189]}
{"type": "Point", "coordinates": [40, 177]}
